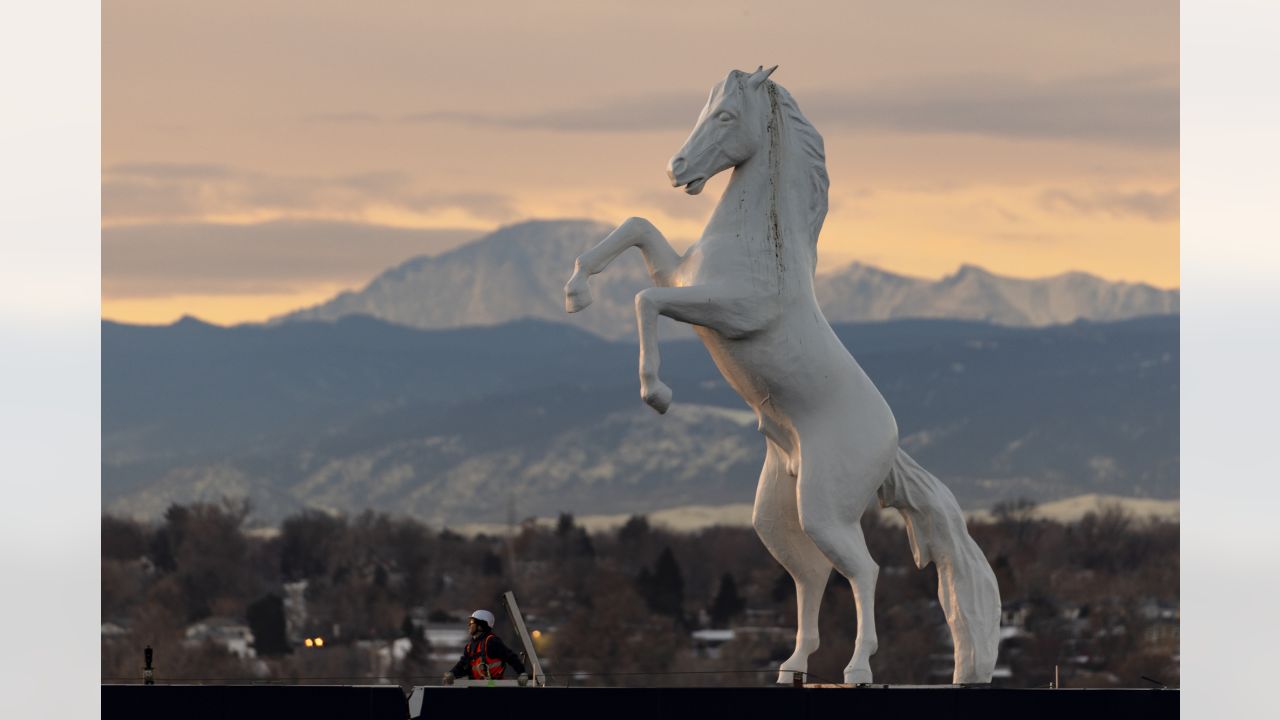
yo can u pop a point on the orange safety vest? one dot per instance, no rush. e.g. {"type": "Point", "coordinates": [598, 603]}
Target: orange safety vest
{"type": "Point", "coordinates": [484, 667]}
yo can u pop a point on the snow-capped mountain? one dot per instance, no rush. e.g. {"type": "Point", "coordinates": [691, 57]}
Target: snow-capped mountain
{"type": "Point", "coordinates": [519, 272]}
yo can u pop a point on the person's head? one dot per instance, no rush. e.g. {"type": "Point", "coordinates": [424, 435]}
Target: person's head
{"type": "Point", "coordinates": [481, 621]}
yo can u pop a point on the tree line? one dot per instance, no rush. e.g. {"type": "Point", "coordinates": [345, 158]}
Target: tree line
{"type": "Point", "coordinates": [1097, 597]}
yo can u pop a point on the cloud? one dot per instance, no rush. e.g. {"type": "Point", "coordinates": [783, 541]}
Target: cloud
{"type": "Point", "coordinates": [1031, 238]}
{"type": "Point", "coordinates": [648, 113]}
{"type": "Point", "coordinates": [343, 118]}
{"type": "Point", "coordinates": [1154, 206]}
{"type": "Point", "coordinates": [994, 209]}
{"type": "Point", "coordinates": [175, 171]}
{"type": "Point", "coordinates": [174, 192]}
{"type": "Point", "coordinates": [676, 204]}
{"type": "Point", "coordinates": [283, 256]}
{"type": "Point", "coordinates": [1134, 108]}
{"type": "Point", "coordinates": [488, 206]}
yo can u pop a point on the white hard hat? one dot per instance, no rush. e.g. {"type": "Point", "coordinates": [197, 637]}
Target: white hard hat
{"type": "Point", "coordinates": [485, 616]}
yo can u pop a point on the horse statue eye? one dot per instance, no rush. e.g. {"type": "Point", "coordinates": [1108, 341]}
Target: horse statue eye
{"type": "Point", "coordinates": [724, 116]}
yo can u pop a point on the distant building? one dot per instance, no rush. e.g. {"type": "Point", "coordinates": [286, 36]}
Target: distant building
{"type": "Point", "coordinates": [446, 640]}
{"type": "Point", "coordinates": [1014, 613]}
{"type": "Point", "coordinates": [295, 610]}
{"type": "Point", "coordinates": [1164, 622]}
{"type": "Point", "coordinates": [384, 655]}
{"type": "Point", "coordinates": [707, 643]}
{"type": "Point", "coordinates": [231, 635]}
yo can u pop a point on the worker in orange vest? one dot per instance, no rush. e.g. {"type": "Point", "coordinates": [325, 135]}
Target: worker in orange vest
{"type": "Point", "coordinates": [485, 657]}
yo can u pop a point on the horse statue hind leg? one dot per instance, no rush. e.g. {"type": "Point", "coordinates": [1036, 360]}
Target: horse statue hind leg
{"type": "Point", "coordinates": [777, 521]}
{"type": "Point", "coordinates": [840, 470]}
{"type": "Point", "coordinates": [811, 524]}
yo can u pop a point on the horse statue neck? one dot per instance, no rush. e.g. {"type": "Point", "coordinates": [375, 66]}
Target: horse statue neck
{"type": "Point", "coordinates": [760, 224]}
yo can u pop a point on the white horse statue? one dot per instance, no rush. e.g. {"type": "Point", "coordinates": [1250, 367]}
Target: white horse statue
{"type": "Point", "coordinates": [746, 287]}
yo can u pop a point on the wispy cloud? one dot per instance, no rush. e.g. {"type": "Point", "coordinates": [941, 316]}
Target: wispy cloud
{"type": "Point", "coordinates": [169, 192]}
{"type": "Point", "coordinates": [277, 257]}
{"type": "Point", "coordinates": [171, 171]}
{"type": "Point", "coordinates": [1136, 108]}
{"type": "Point", "coordinates": [676, 204]}
{"type": "Point", "coordinates": [1031, 238]}
{"type": "Point", "coordinates": [650, 113]}
{"type": "Point", "coordinates": [1157, 206]}
{"type": "Point", "coordinates": [344, 118]}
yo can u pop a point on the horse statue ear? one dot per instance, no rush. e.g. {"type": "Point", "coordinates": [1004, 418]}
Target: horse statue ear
{"type": "Point", "coordinates": [759, 76]}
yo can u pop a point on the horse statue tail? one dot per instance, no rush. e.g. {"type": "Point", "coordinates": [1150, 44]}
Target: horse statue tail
{"type": "Point", "coordinates": [967, 586]}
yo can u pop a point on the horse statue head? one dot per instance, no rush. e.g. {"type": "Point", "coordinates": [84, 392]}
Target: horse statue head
{"type": "Point", "coordinates": [730, 130]}
{"type": "Point", "coordinates": [750, 119]}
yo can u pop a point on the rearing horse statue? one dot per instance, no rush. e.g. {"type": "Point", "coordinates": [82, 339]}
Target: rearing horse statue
{"type": "Point", "coordinates": [746, 287]}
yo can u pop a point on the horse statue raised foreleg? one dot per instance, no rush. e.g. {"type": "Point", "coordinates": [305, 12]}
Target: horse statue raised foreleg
{"type": "Point", "coordinates": [661, 260]}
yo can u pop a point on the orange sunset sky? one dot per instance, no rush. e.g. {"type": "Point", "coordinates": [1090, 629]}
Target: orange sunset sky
{"type": "Point", "coordinates": [259, 157]}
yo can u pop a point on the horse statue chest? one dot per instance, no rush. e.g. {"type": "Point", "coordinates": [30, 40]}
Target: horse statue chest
{"type": "Point", "coordinates": [739, 254]}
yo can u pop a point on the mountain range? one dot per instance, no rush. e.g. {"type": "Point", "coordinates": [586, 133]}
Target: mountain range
{"type": "Point", "coordinates": [519, 271]}
{"type": "Point", "coordinates": [455, 388]}
{"type": "Point", "coordinates": [467, 425]}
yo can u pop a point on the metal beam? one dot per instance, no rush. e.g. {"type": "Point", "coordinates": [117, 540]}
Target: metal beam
{"type": "Point", "coordinates": [536, 677]}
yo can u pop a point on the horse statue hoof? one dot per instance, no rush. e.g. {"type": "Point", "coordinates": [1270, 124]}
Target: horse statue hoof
{"type": "Point", "coordinates": [788, 677]}
{"type": "Point", "coordinates": [577, 294]}
{"type": "Point", "coordinates": [857, 677]}
{"type": "Point", "coordinates": [657, 397]}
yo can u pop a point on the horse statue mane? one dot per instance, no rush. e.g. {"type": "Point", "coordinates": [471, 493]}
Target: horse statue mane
{"type": "Point", "coordinates": [831, 441]}
{"type": "Point", "coordinates": [805, 145]}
